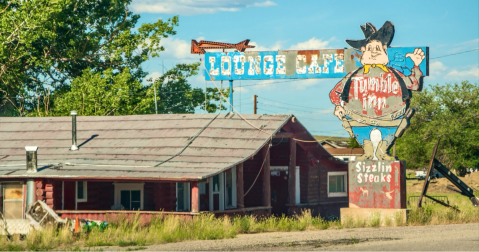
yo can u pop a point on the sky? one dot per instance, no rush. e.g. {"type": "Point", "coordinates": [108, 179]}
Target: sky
{"type": "Point", "coordinates": [446, 27]}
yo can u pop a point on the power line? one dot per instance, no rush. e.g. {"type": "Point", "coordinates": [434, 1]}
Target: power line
{"type": "Point", "coordinates": [310, 112]}
{"type": "Point", "coordinates": [288, 103]}
{"type": "Point", "coordinates": [447, 55]}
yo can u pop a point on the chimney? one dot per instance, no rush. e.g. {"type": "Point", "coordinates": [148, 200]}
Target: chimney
{"type": "Point", "coordinates": [74, 131]}
{"type": "Point", "coordinates": [31, 158]}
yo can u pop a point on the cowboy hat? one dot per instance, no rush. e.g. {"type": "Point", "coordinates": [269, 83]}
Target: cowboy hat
{"type": "Point", "coordinates": [384, 35]}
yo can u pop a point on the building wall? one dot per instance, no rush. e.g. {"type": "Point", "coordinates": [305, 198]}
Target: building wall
{"type": "Point", "coordinates": [330, 205]}
{"type": "Point", "coordinates": [251, 168]}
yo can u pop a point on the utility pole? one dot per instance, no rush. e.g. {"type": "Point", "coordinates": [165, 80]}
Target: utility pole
{"type": "Point", "coordinates": [255, 102]}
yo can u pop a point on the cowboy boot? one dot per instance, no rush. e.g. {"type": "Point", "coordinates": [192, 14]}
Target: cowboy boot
{"type": "Point", "coordinates": [368, 151]}
{"type": "Point", "coordinates": [382, 151]}
{"type": "Point", "coordinates": [405, 122]}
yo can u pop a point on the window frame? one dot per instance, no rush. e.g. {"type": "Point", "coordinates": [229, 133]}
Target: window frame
{"type": "Point", "coordinates": [85, 190]}
{"type": "Point", "coordinates": [339, 194]}
{"type": "Point", "coordinates": [233, 191]}
{"type": "Point", "coordinates": [220, 192]}
{"type": "Point", "coordinates": [129, 187]}
{"type": "Point", "coordinates": [186, 195]}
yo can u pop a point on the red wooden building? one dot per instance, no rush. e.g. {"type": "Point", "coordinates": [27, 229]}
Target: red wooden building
{"type": "Point", "coordinates": [179, 164]}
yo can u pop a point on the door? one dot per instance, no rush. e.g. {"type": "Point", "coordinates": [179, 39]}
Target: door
{"type": "Point", "coordinates": [279, 192]}
{"type": "Point", "coordinates": [12, 201]}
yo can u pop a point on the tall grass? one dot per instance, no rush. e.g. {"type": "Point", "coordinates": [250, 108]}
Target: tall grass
{"type": "Point", "coordinates": [163, 229]}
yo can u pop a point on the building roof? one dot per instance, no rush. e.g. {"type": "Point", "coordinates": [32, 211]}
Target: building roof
{"type": "Point", "coordinates": [346, 151]}
{"type": "Point", "coordinates": [334, 144]}
{"type": "Point", "coordinates": [133, 147]}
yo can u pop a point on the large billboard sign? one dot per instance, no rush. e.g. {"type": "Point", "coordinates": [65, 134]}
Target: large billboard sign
{"type": "Point", "coordinates": [299, 64]}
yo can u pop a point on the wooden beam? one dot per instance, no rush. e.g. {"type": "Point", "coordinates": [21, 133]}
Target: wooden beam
{"type": "Point", "coordinates": [195, 197]}
{"type": "Point", "coordinates": [239, 186]}
{"type": "Point", "coordinates": [284, 135]}
{"type": "Point", "coordinates": [292, 172]}
{"type": "Point", "coordinates": [266, 177]}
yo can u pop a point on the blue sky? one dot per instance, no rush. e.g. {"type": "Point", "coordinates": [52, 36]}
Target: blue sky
{"type": "Point", "coordinates": [447, 27]}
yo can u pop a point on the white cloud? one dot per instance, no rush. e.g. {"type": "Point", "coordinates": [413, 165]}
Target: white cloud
{"type": "Point", "coordinates": [437, 69]}
{"type": "Point", "coordinates": [312, 43]}
{"type": "Point", "coordinates": [276, 46]}
{"type": "Point", "coordinates": [153, 76]}
{"type": "Point", "coordinates": [177, 49]}
{"type": "Point", "coordinates": [264, 4]}
{"type": "Point", "coordinates": [469, 74]}
{"type": "Point", "coordinates": [194, 7]}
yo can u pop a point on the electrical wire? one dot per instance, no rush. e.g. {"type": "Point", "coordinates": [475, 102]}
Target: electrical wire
{"type": "Point", "coordinates": [259, 172]}
{"type": "Point", "coordinates": [288, 103]}
{"type": "Point", "coordinates": [188, 143]}
{"type": "Point", "coordinates": [447, 55]}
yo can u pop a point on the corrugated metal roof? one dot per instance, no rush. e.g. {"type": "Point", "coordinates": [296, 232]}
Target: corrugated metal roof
{"type": "Point", "coordinates": [130, 146]}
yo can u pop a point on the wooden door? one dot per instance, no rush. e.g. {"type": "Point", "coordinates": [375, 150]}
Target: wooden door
{"type": "Point", "coordinates": [279, 192]}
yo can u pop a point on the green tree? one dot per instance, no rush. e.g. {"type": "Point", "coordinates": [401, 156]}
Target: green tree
{"type": "Point", "coordinates": [103, 94]}
{"type": "Point", "coordinates": [46, 44]}
{"type": "Point", "coordinates": [449, 112]}
{"type": "Point", "coordinates": [176, 96]}
{"type": "Point", "coordinates": [352, 143]}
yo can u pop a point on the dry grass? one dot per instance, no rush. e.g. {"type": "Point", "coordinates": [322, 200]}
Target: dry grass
{"type": "Point", "coordinates": [126, 233]}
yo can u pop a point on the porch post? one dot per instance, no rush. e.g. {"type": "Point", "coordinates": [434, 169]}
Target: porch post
{"type": "Point", "coordinates": [195, 197]}
{"type": "Point", "coordinates": [292, 172]}
{"type": "Point", "coordinates": [239, 186]}
{"type": "Point", "coordinates": [266, 177]}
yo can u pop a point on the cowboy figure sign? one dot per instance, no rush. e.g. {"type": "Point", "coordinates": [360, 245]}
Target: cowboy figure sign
{"type": "Point", "coordinates": [373, 100]}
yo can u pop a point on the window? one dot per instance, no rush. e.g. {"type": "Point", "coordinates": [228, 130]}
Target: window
{"type": "Point", "coordinates": [129, 195]}
{"type": "Point", "coordinates": [230, 188]}
{"type": "Point", "coordinates": [346, 159]}
{"type": "Point", "coordinates": [337, 184]}
{"type": "Point", "coordinates": [11, 200]}
{"type": "Point", "coordinates": [130, 199]}
{"type": "Point", "coordinates": [182, 197]}
{"type": "Point", "coordinates": [81, 191]}
{"type": "Point", "coordinates": [216, 191]}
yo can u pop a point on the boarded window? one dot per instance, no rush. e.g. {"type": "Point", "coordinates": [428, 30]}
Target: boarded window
{"type": "Point", "coordinates": [12, 201]}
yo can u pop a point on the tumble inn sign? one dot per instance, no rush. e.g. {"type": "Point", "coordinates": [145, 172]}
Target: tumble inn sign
{"type": "Point", "coordinates": [371, 100]}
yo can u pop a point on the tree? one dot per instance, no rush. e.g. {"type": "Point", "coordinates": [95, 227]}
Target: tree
{"type": "Point", "coordinates": [46, 44]}
{"type": "Point", "coordinates": [103, 94]}
{"type": "Point", "coordinates": [352, 143]}
{"type": "Point", "coordinates": [449, 112]}
{"type": "Point", "coordinates": [176, 95]}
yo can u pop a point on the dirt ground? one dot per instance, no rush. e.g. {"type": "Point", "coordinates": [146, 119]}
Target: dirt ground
{"type": "Point", "coordinates": [463, 237]}
{"type": "Point", "coordinates": [440, 185]}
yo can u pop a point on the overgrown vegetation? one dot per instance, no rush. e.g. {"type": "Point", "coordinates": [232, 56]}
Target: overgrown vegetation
{"type": "Point", "coordinates": [449, 112]}
{"type": "Point", "coordinates": [165, 229]}
{"type": "Point", "coordinates": [63, 55]}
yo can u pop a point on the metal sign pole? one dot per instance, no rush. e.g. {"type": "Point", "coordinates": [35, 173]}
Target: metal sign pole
{"type": "Point", "coordinates": [231, 95]}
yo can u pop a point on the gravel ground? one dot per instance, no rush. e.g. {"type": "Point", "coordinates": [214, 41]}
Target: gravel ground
{"type": "Point", "coordinates": [418, 238]}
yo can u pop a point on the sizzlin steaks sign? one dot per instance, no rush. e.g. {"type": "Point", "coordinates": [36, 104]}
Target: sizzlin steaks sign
{"type": "Point", "coordinates": [377, 184]}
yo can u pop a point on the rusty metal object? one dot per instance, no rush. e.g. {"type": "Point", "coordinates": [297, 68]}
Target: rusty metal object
{"type": "Point", "coordinates": [463, 188]}
{"type": "Point", "coordinates": [428, 173]}
{"type": "Point", "coordinates": [199, 47]}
